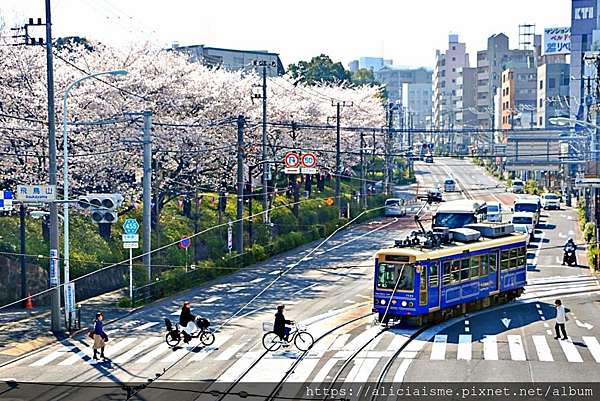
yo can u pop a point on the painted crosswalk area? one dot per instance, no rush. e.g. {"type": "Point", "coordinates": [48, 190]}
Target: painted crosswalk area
{"type": "Point", "coordinates": [237, 353]}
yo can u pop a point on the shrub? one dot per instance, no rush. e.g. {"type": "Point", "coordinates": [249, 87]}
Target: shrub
{"type": "Point", "coordinates": [589, 233]}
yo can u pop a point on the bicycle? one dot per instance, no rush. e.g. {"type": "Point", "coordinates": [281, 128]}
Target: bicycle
{"type": "Point", "coordinates": [301, 338]}
{"type": "Point", "coordinates": [174, 335]}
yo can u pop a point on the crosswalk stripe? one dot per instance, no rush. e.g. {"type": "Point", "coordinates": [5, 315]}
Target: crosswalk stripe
{"type": "Point", "coordinates": [515, 345]}
{"type": "Point", "coordinates": [362, 338]}
{"type": "Point", "coordinates": [570, 350]}
{"type": "Point", "coordinates": [303, 370]}
{"type": "Point", "coordinates": [155, 353]}
{"type": "Point", "coordinates": [238, 368]}
{"type": "Point", "coordinates": [319, 349]}
{"type": "Point", "coordinates": [324, 372]}
{"type": "Point", "coordinates": [206, 351]}
{"type": "Point", "coordinates": [146, 326]}
{"type": "Point", "coordinates": [464, 347]}
{"type": "Point", "coordinates": [54, 355]}
{"type": "Point", "coordinates": [412, 349]}
{"type": "Point", "coordinates": [78, 357]}
{"type": "Point", "coordinates": [543, 350]}
{"type": "Point", "coordinates": [339, 342]}
{"type": "Point", "coordinates": [208, 300]}
{"type": "Point", "coordinates": [147, 343]}
{"type": "Point", "coordinates": [268, 370]}
{"type": "Point", "coordinates": [490, 348]}
{"type": "Point", "coordinates": [593, 347]}
{"type": "Point", "coordinates": [398, 341]}
{"type": "Point", "coordinates": [438, 349]}
{"type": "Point", "coordinates": [399, 375]}
{"type": "Point", "coordinates": [361, 370]}
{"type": "Point", "coordinates": [112, 349]}
{"type": "Point", "coordinates": [176, 355]}
{"type": "Point", "coordinates": [230, 352]}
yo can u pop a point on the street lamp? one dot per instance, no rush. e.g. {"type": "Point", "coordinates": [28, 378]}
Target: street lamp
{"type": "Point", "coordinates": [66, 174]}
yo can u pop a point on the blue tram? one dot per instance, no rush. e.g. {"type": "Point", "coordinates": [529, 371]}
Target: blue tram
{"type": "Point", "coordinates": [434, 280]}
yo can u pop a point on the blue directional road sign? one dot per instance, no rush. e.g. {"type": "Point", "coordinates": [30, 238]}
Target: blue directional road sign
{"type": "Point", "coordinates": [131, 226]}
{"type": "Point", "coordinates": [6, 199]}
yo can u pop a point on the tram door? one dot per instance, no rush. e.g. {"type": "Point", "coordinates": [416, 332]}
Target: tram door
{"type": "Point", "coordinates": [434, 285]}
{"type": "Point", "coordinates": [494, 271]}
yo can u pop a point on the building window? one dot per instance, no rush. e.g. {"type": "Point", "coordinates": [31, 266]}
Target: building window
{"type": "Point", "coordinates": [453, 58]}
{"type": "Point", "coordinates": [541, 121]}
{"type": "Point", "coordinates": [541, 102]}
{"type": "Point", "coordinates": [541, 84]}
{"type": "Point", "coordinates": [551, 83]}
{"type": "Point", "coordinates": [453, 47]}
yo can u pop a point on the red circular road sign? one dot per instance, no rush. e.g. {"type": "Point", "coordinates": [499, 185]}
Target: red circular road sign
{"type": "Point", "coordinates": [309, 160]}
{"type": "Point", "coordinates": [185, 242]}
{"type": "Point", "coordinates": [291, 160]}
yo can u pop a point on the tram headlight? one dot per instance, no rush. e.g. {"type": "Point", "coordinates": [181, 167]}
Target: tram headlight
{"type": "Point", "coordinates": [411, 304]}
{"type": "Point", "coordinates": [382, 302]}
{"type": "Point", "coordinates": [403, 304]}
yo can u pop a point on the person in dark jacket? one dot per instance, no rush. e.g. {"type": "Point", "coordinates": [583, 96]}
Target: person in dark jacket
{"type": "Point", "coordinates": [279, 326]}
{"type": "Point", "coordinates": [100, 337]}
{"type": "Point", "coordinates": [184, 318]}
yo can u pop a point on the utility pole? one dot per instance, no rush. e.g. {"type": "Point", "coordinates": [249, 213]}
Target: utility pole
{"type": "Point", "coordinates": [294, 178]}
{"type": "Point", "coordinates": [23, 251]}
{"type": "Point", "coordinates": [54, 265]}
{"type": "Point", "coordinates": [338, 150]}
{"type": "Point", "coordinates": [239, 240]}
{"type": "Point", "coordinates": [147, 193]}
{"type": "Point", "coordinates": [387, 172]}
{"type": "Point", "coordinates": [363, 178]}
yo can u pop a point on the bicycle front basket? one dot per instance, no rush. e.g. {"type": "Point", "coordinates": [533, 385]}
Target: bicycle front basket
{"type": "Point", "coordinates": [267, 326]}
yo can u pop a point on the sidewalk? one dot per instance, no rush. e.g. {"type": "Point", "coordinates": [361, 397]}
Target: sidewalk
{"type": "Point", "coordinates": [22, 331]}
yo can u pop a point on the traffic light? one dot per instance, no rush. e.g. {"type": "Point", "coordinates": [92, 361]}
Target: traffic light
{"type": "Point", "coordinates": [102, 207]}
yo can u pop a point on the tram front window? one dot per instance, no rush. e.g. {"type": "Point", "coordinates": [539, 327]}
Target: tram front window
{"type": "Point", "coordinates": [388, 276]}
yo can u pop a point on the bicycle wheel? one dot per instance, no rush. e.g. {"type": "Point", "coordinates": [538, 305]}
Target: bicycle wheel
{"type": "Point", "coordinates": [304, 340]}
{"type": "Point", "coordinates": [207, 338]}
{"type": "Point", "coordinates": [172, 339]}
{"type": "Point", "coordinates": [271, 341]}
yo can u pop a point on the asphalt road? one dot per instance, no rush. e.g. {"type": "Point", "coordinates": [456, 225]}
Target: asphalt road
{"type": "Point", "coordinates": [327, 290]}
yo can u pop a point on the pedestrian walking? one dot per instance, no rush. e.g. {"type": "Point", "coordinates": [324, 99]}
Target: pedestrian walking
{"type": "Point", "coordinates": [100, 337]}
{"type": "Point", "coordinates": [561, 319]}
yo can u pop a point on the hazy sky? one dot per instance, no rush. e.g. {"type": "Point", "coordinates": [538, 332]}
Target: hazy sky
{"type": "Point", "coordinates": [407, 31]}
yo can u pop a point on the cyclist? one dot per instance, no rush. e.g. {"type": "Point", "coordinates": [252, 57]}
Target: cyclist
{"type": "Point", "coordinates": [184, 320]}
{"type": "Point", "coordinates": [279, 327]}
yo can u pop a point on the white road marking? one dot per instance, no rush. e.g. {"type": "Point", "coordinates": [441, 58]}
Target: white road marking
{"type": "Point", "coordinates": [364, 296]}
{"type": "Point", "coordinates": [230, 351]}
{"type": "Point", "coordinates": [155, 353]}
{"type": "Point", "coordinates": [412, 349]}
{"type": "Point", "coordinates": [206, 351]}
{"type": "Point", "coordinates": [399, 376]}
{"type": "Point", "coordinates": [438, 349]}
{"type": "Point", "coordinates": [237, 289]}
{"type": "Point", "coordinates": [515, 345]}
{"type": "Point", "coordinates": [593, 347]}
{"type": "Point", "coordinates": [275, 272]}
{"type": "Point", "coordinates": [256, 280]}
{"type": "Point", "coordinates": [549, 332]}
{"type": "Point", "coordinates": [238, 368]}
{"type": "Point", "coordinates": [147, 343]}
{"type": "Point", "coordinates": [467, 330]}
{"type": "Point", "coordinates": [490, 348]}
{"type": "Point", "coordinates": [321, 376]}
{"type": "Point", "coordinates": [146, 326]}
{"type": "Point", "coordinates": [268, 370]}
{"type": "Point", "coordinates": [54, 355]}
{"type": "Point", "coordinates": [464, 347]}
{"type": "Point", "coordinates": [570, 350]}
{"type": "Point", "coordinates": [361, 370]}
{"type": "Point", "coordinates": [78, 357]}
{"type": "Point", "coordinates": [537, 306]}
{"type": "Point", "coordinates": [303, 370]}
{"type": "Point", "coordinates": [178, 354]}
{"type": "Point", "coordinates": [539, 248]}
{"type": "Point", "coordinates": [208, 300]}
{"type": "Point", "coordinates": [348, 301]}
{"type": "Point", "coordinates": [543, 350]}
{"type": "Point", "coordinates": [398, 341]}
{"type": "Point", "coordinates": [362, 338]}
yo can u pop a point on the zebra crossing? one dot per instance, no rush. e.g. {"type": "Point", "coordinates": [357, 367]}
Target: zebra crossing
{"type": "Point", "coordinates": [144, 350]}
{"type": "Point", "coordinates": [542, 348]}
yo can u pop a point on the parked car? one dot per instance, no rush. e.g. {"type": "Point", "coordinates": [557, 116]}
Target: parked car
{"type": "Point", "coordinates": [429, 159]}
{"type": "Point", "coordinates": [494, 212]}
{"type": "Point", "coordinates": [518, 186]}
{"type": "Point", "coordinates": [394, 207]}
{"type": "Point", "coordinates": [449, 185]}
{"type": "Point", "coordinates": [524, 222]}
{"type": "Point", "coordinates": [550, 201]}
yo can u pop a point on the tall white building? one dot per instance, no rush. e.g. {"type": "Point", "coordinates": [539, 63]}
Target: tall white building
{"type": "Point", "coordinates": [416, 99]}
{"type": "Point", "coordinates": [446, 73]}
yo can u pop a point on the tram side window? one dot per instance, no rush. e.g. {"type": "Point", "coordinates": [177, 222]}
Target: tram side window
{"type": "Point", "coordinates": [433, 274]}
{"type": "Point", "coordinates": [447, 273]}
{"type": "Point", "coordinates": [493, 261]}
{"type": "Point", "coordinates": [474, 267]}
{"type": "Point", "coordinates": [464, 268]}
{"type": "Point", "coordinates": [484, 265]}
{"type": "Point", "coordinates": [455, 270]}
{"type": "Point", "coordinates": [504, 260]}
{"type": "Point", "coordinates": [522, 257]}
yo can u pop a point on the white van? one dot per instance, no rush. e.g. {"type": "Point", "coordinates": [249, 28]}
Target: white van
{"type": "Point", "coordinates": [530, 204]}
{"type": "Point", "coordinates": [494, 212]}
{"type": "Point", "coordinates": [524, 222]}
{"type": "Point", "coordinates": [458, 213]}
{"type": "Point", "coordinates": [518, 186]}
{"type": "Point", "coordinates": [394, 207]}
{"type": "Point", "coordinates": [449, 185]}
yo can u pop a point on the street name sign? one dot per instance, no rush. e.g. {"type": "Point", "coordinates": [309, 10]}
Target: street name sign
{"type": "Point", "coordinates": [131, 245]}
{"type": "Point", "coordinates": [130, 237]}
{"type": "Point", "coordinates": [36, 193]}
